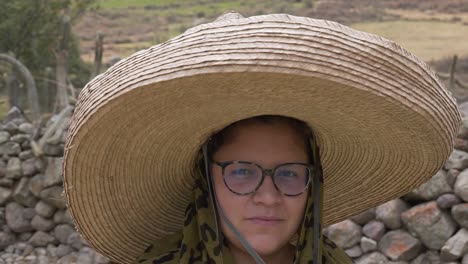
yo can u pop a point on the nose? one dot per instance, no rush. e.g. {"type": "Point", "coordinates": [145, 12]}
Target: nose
{"type": "Point", "coordinates": [267, 193]}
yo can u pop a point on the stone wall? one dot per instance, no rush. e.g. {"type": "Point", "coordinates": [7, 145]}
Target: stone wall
{"type": "Point", "coordinates": [36, 225]}
{"type": "Point", "coordinates": [426, 226]}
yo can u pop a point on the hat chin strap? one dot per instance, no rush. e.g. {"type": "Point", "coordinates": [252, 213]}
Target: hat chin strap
{"type": "Point", "coordinates": [236, 232]}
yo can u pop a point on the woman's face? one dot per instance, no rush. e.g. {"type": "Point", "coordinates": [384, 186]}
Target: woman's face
{"type": "Point", "coordinates": [266, 219]}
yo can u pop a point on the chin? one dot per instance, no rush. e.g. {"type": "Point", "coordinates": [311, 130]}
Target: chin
{"type": "Point", "coordinates": [265, 245]}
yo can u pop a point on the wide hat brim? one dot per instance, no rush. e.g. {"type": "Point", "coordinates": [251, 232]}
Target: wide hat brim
{"type": "Point", "coordinates": [383, 121]}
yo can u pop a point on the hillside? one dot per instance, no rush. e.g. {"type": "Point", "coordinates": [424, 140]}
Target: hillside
{"type": "Point", "coordinates": [431, 29]}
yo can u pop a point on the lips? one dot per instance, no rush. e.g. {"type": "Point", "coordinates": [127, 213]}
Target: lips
{"type": "Point", "coordinates": [265, 220]}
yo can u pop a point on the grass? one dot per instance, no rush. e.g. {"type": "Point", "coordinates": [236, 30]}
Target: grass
{"type": "Point", "coordinates": [430, 40]}
{"type": "Point", "coordinates": [430, 35]}
{"type": "Point", "coordinates": [426, 15]}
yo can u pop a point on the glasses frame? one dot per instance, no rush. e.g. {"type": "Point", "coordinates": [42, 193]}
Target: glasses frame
{"type": "Point", "coordinates": [265, 172]}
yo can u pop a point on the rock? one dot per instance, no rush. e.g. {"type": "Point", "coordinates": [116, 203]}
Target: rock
{"type": "Point", "coordinates": [14, 168]}
{"type": "Point", "coordinates": [53, 150]}
{"type": "Point", "coordinates": [354, 252]}
{"type": "Point", "coordinates": [53, 174]}
{"type": "Point", "coordinates": [36, 184]}
{"type": "Point", "coordinates": [63, 250]}
{"type": "Point", "coordinates": [431, 189]}
{"type": "Point", "coordinates": [29, 167]}
{"type": "Point", "coordinates": [368, 245]}
{"type": "Point", "coordinates": [44, 209]}
{"type": "Point", "coordinates": [26, 145]}
{"type": "Point", "coordinates": [100, 259]}
{"type": "Point", "coordinates": [5, 195]}
{"type": "Point", "coordinates": [452, 176]}
{"type": "Point", "coordinates": [461, 144]}
{"type": "Point", "coordinates": [460, 214]}
{"type": "Point", "coordinates": [13, 113]}
{"type": "Point", "coordinates": [3, 168]}
{"type": "Point", "coordinates": [41, 239]}
{"type": "Point", "coordinates": [40, 223]}
{"type": "Point", "coordinates": [372, 258]}
{"type": "Point", "coordinates": [25, 236]}
{"type": "Point", "coordinates": [6, 238]}
{"type": "Point", "coordinates": [429, 257]}
{"type": "Point", "coordinates": [62, 232]}
{"type": "Point", "coordinates": [15, 218]}
{"type": "Point", "coordinates": [22, 195]}
{"type": "Point", "coordinates": [345, 234]}
{"type": "Point", "coordinates": [29, 213]}
{"type": "Point", "coordinates": [11, 128]}
{"type": "Point", "coordinates": [40, 165]}
{"type": "Point", "coordinates": [53, 196]}
{"type": "Point", "coordinates": [456, 246]}
{"type": "Point", "coordinates": [4, 137]}
{"type": "Point", "coordinates": [5, 182]}
{"type": "Point", "coordinates": [26, 128]}
{"type": "Point", "coordinates": [389, 213]}
{"type": "Point", "coordinates": [52, 250]}
{"type": "Point", "coordinates": [399, 245]}
{"type": "Point", "coordinates": [465, 259]}
{"type": "Point", "coordinates": [26, 154]}
{"type": "Point", "coordinates": [72, 258]}
{"type": "Point", "coordinates": [364, 217]}
{"type": "Point", "coordinates": [447, 200]}
{"type": "Point", "coordinates": [374, 230]}
{"type": "Point", "coordinates": [10, 148]}
{"type": "Point", "coordinates": [463, 130]}
{"type": "Point", "coordinates": [85, 256]}
{"type": "Point", "coordinates": [19, 138]}
{"type": "Point", "coordinates": [458, 160]}
{"type": "Point", "coordinates": [461, 185]}
{"type": "Point", "coordinates": [63, 217]}
{"type": "Point", "coordinates": [430, 224]}
{"type": "Point", "coordinates": [75, 240]}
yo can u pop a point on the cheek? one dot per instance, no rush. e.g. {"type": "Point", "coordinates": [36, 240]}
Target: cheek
{"type": "Point", "coordinates": [231, 203]}
{"type": "Point", "coordinates": [296, 208]}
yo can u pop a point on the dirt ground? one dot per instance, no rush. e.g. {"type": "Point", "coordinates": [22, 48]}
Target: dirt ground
{"type": "Point", "coordinates": [130, 29]}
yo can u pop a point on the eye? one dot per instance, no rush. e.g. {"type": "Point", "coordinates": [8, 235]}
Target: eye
{"type": "Point", "coordinates": [286, 173]}
{"type": "Point", "coordinates": [242, 171]}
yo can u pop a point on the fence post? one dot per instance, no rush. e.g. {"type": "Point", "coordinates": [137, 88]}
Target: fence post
{"type": "Point", "coordinates": [98, 51]}
{"type": "Point", "coordinates": [452, 73]}
{"type": "Point", "coordinates": [61, 67]}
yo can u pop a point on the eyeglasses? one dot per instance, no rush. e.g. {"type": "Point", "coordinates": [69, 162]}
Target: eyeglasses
{"type": "Point", "coordinates": [244, 177]}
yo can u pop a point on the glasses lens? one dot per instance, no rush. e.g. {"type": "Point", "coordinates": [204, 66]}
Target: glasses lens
{"type": "Point", "coordinates": [292, 179]}
{"type": "Point", "coordinates": [242, 177]}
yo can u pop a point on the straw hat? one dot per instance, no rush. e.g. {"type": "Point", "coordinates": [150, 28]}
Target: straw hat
{"type": "Point", "coordinates": [384, 122]}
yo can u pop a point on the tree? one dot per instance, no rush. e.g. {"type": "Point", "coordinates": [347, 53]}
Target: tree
{"type": "Point", "coordinates": [31, 31]}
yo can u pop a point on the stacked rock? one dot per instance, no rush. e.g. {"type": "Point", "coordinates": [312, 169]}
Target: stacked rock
{"type": "Point", "coordinates": [426, 226]}
{"type": "Point", "coordinates": [36, 225]}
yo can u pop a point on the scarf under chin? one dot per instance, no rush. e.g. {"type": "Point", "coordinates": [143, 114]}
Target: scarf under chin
{"type": "Point", "coordinates": [201, 241]}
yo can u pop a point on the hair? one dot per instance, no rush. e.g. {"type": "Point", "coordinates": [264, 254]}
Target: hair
{"type": "Point", "coordinates": [223, 136]}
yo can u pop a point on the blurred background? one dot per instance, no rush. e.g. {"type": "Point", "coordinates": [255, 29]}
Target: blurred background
{"type": "Point", "coordinates": [49, 49]}
{"type": "Point", "coordinates": [65, 43]}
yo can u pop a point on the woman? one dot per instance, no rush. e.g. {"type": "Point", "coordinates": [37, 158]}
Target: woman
{"type": "Point", "coordinates": [259, 215]}
{"type": "Point", "coordinates": [239, 140]}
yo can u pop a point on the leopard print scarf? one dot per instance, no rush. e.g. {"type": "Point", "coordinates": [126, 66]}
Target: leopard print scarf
{"type": "Point", "coordinates": [202, 242]}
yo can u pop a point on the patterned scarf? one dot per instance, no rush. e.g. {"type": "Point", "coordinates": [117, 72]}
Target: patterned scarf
{"type": "Point", "coordinates": [202, 242]}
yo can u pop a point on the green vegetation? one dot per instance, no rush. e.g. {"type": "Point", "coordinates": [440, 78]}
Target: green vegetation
{"type": "Point", "coordinates": [32, 32]}
{"type": "Point", "coordinates": [430, 40]}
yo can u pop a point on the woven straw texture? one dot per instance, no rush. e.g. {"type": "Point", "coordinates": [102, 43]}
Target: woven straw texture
{"type": "Point", "coordinates": [384, 122]}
